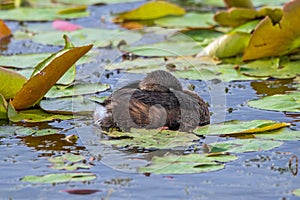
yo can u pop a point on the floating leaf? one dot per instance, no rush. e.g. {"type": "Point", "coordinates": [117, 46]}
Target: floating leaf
{"type": "Point", "coordinates": [151, 10]}
{"type": "Point", "coordinates": [65, 25]}
{"type": "Point", "coordinates": [4, 30]}
{"type": "Point", "coordinates": [59, 178]}
{"type": "Point", "coordinates": [11, 82]}
{"type": "Point", "coordinates": [277, 39]}
{"type": "Point", "coordinates": [240, 127]}
{"type": "Point", "coordinates": [190, 20]}
{"type": "Point", "coordinates": [34, 115]}
{"type": "Point", "coordinates": [281, 134]}
{"type": "Point", "coordinates": [227, 45]}
{"type": "Point", "coordinates": [296, 192]}
{"type": "Point", "coordinates": [271, 68]}
{"type": "Point", "coordinates": [81, 191]}
{"type": "Point", "coordinates": [90, 2]}
{"type": "Point", "coordinates": [8, 130]}
{"type": "Point", "coordinates": [32, 91]}
{"type": "Point", "coordinates": [98, 37]}
{"type": "Point", "coordinates": [280, 102]}
{"type": "Point", "coordinates": [38, 14]}
{"type": "Point", "coordinates": [167, 48]}
{"type": "Point", "coordinates": [153, 139]}
{"type": "Point", "coordinates": [33, 132]}
{"type": "Point", "coordinates": [77, 89]}
{"type": "Point", "coordinates": [244, 145]}
{"type": "Point", "coordinates": [71, 105]}
{"type": "Point", "coordinates": [239, 3]}
{"type": "Point", "coordinates": [3, 107]}
{"type": "Point", "coordinates": [186, 164]}
{"type": "Point", "coordinates": [68, 162]}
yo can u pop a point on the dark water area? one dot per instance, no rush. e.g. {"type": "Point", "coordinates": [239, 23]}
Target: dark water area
{"type": "Point", "coordinates": [257, 175]}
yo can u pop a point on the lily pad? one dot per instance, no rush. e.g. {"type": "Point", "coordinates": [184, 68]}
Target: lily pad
{"type": "Point", "coordinates": [296, 192]}
{"type": "Point", "coordinates": [271, 68]}
{"type": "Point", "coordinates": [38, 14]}
{"type": "Point", "coordinates": [34, 115]}
{"type": "Point", "coordinates": [75, 90]}
{"type": "Point", "coordinates": [167, 48]}
{"type": "Point", "coordinates": [190, 20]}
{"type": "Point", "coordinates": [244, 145]}
{"type": "Point", "coordinates": [240, 127]}
{"type": "Point", "coordinates": [91, 2]}
{"type": "Point", "coordinates": [276, 39]}
{"type": "Point", "coordinates": [3, 107]}
{"type": "Point", "coordinates": [153, 139]}
{"type": "Point", "coordinates": [22, 131]}
{"type": "Point", "coordinates": [98, 37]}
{"type": "Point", "coordinates": [186, 164]}
{"type": "Point", "coordinates": [70, 105]}
{"type": "Point", "coordinates": [281, 134]}
{"type": "Point", "coordinates": [146, 11]}
{"type": "Point", "coordinates": [60, 178]}
{"type": "Point", "coordinates": [32, 91]}
{"type": "Point", "coordinates": [11, 82]}
{"type": "Point", "coordinates": [280, 102]}
{"type": "Point", "coordinates": [227, 45]}
{"type": "Point", "coordinates": [68, 162]}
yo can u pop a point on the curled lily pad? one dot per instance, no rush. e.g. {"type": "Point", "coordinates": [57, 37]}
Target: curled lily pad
{"type": "Point", "coordinates": [280, 102]}
{"type": "Point", "coordinates": [244, 145]}
{"type": "Point", "coordinates": [276, 39]}
{"type": "Point", "coordinates": [153, 139]}
{"type": "Point", "coordinates": [60, 178]}
{"type": "Point", "coordinates": [75, 90]}
{"type": "Point", "coordinates": [186, 164]}
{"type": "Point", "coordinates": [240, 127]}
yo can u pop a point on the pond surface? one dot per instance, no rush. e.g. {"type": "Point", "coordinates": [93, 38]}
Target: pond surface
{"type": "Point", "coordinates": [257, 175]}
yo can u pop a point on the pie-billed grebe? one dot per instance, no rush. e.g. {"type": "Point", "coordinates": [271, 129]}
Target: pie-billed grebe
{"type": "Point", "coordinates": [156, 101]}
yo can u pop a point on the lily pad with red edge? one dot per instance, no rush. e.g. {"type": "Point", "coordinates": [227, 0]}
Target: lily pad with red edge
{"type": "Point", "coordinates": [81, 191]}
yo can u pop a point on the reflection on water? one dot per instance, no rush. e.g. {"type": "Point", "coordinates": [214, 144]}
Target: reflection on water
{"type": "Point", "coordinates": [272, 87]}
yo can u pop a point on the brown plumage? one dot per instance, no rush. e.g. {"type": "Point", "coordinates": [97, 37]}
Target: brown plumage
{"type": "Point", "coordinates": [157, 101]}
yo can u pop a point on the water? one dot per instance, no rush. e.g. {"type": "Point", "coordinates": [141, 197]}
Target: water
{"type": "Point", "coordinates": [257, 175]}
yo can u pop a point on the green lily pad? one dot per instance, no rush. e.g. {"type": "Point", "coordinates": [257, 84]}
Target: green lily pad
{"type": "Point", "coordinates": [240, 127]}
{"type": "Point", "coordinates": [3, 107]}
{"type": "Point", "coordinates": [186, 164]}
{"type": "Point", "coordinates": [8, 130]}
{"type": "Point", "coordinates": [153, 139]}
{"type": "Point", "coordinates": [204, 36]}
{"type": "Point", "coordinates": [38, 14]}
{"type": "Point", "coordinates": [281, 134]}
{"type": "Point", "coordinates": [68, 162]}
{"type": "Point", "coordinates": [22, 131]}
{"type": "Point", "coordinates": [75, 90]}
{"type": "Point", "coordinates": [22, 61]}
{"type": "Point", "coordinates": [91, 2]}
{"type": "Point", "coordinates": [296, 192]}
{"type": "Point", "coordinates": [190, 20]}
{"type": "Point", "coordinates": [97, 99]}
{"type": "Point", "coordinates": [145, 11]}
{"type": "Point", "coordinates": [69, 105]}
{"type": "Point", "coordinates": [280, 102]}
{"type": "Point", "coordinates": [227, 45]}
{"type": "Point", "coordinates": [34, 115]}
{"type": "Point", "coordinates": [60, 178]}
{"type": "Point", "coordinates": [224, 72]}
{"type": "Point", "coordinates": [271, 68]}
{"type": "Point", "coordinates": [166, 48]}
{"type": "Point", "coordinates": [99, 37]}
{"type": "Point", "coordinates": [244, 145]}
{"type": "Point", "coordinates": [10, 82]}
